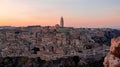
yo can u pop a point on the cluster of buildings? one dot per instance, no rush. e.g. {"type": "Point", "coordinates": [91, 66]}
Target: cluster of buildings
{"type": "Point", "coordinates": [49, 41]}
{"type": "Point", "coordinates": [44, 42]}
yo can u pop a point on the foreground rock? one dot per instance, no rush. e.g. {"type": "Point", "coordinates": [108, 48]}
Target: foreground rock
{"type": "Point", "coordinates": [113, 57]}
{"type": "Point", "coordinates": [38, 62]}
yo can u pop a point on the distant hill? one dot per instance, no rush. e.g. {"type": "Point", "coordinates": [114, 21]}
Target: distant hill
{"type": "Point", "coordinates": [117, 27]}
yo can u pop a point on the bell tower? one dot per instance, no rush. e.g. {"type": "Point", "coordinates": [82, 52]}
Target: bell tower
{"type": "Point", "coordinates": [62, 22]}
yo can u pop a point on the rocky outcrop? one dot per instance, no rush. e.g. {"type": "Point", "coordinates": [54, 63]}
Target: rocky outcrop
{"type": "Point", "coordinates": [113, 57]}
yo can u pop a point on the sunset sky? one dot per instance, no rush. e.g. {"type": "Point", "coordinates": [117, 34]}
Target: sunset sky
{"type": "Point", "coordinates": [76, 13]}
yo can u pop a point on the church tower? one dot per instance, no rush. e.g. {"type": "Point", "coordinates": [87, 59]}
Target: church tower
{"type": "Point", "coordinates": [61, 22]}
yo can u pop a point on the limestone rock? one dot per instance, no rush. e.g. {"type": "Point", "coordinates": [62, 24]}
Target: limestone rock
{"type": "Point", "coordinates": [113, 57]}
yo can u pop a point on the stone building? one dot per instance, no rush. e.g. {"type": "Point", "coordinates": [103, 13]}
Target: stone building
{"type": "Point", "coordinates": [62, 22]}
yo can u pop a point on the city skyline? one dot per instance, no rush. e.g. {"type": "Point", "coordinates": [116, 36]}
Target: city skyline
{"type": "Point", "coordinates": [77, 13]}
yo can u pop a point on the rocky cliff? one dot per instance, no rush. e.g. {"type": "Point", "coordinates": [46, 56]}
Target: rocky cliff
{"type": "Point", "coordinates": [113, 57]}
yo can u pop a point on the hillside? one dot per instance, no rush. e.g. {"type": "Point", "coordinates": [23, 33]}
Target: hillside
{"type": "Point", "coordinates": [53, 43]}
